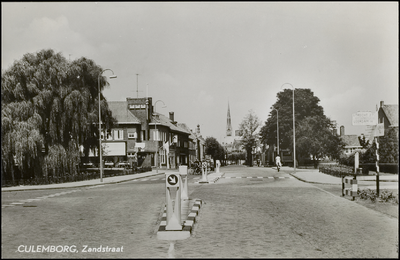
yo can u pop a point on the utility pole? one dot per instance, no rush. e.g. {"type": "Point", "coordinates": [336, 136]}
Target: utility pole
{"type": "Point", "coordinates": [137, 85]}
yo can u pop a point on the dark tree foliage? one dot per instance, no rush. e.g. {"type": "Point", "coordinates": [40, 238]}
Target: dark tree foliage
{"type": "Point", "coordinates": [49, 109]}
{"type": "Point", "coordinates": [314, 135]}
{"type": "Point", "coordinates": [388, 148]}
{"type": "Point", "coordinates": [214, 148]}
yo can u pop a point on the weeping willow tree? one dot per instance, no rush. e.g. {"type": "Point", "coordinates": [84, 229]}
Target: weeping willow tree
{"type": "Point", "coordinates": [49, 109]}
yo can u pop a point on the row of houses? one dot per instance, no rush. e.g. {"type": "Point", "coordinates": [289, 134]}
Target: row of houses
{"type": "Point", "coordinates": [141, 134]}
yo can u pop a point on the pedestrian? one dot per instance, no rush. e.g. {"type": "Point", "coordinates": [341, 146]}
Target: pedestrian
{"type": "Point", "coordinates": [278, 161]}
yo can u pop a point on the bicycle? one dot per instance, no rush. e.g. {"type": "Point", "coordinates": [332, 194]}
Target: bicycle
{"type": "Point", "coordinates": [195, 170]}
{"type": "Point", "coordinates": [278, 166]}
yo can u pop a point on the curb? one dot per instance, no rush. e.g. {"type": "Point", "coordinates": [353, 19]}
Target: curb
{"type": "Point", "coordinates": [217, 178]}
{"type": "Point", "coordinates": [213, 180]}
{"type": "Point", "coordinates": [312, 182]}
{"type": "Point", "coordinates": [188, 223]}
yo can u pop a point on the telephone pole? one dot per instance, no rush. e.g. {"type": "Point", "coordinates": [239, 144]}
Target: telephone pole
{"type": "Point", "coordinates": [137, 85]}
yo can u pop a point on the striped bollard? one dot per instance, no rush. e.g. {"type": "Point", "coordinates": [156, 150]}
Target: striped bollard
{"type": "Point", "coordinates": [350, 191]}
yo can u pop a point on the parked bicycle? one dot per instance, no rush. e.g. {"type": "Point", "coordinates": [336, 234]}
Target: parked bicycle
{"type": "Point", "coordinates": [195, 169]}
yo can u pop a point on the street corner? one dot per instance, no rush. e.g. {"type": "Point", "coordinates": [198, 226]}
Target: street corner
{"type": "Point", "coordinates": [187, 226]}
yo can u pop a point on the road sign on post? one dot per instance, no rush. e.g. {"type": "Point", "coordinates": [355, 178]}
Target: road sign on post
{"type": "Point", "coordinates": [364, 118]}
{"type": "Point", "coordinates": [204, 178]}
{"type": "Point", "coordinates": [173, 211]}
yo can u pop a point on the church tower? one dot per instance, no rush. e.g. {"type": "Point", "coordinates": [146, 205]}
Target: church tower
{"type": "Point", "coordinates": [228, 123]}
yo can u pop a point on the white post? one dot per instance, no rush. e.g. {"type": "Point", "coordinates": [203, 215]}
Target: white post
{"type": "Point", "coordinates": [356, 162]}
{"type": "Point", "coordinates": [173, 211]}
{"type": "Point", "coordinates": [183, 171]}
{"type": "Point", "coordinates": [203, 173]}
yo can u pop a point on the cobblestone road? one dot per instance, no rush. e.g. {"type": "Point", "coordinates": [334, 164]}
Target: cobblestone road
{"type": "Point", "coordinates": [240, 218]}
{"type": "Point", "coordinates": [284, 218]}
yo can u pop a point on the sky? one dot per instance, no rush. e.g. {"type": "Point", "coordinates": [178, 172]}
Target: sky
{"type": "Point", "coordinates": [197, 57]}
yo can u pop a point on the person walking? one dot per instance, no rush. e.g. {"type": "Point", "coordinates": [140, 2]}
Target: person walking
{"type": "Point", "coordinates": [278, 162]}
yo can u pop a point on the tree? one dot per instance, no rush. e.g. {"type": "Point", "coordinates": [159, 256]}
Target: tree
{"type": "Point", "coordinates": [215, 149]}
{"type": "Point", "coordinates": [49, 109]}
{"type": "Point", "coordinates": [306, 105]}
{"type": "Point", "coordinates": [388, 148]}
{"type": "Point", "coordinates": [248, 128]}
{"type": "Point", "coordinates": [363, 141]}
{"type": "Point", "coordinates": [314, 138]}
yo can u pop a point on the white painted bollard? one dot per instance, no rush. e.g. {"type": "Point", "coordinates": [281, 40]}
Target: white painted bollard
{"type": "Point", "coordinates": [218, 165]}
{"type": "Point", "coordinates": [204, 173]}
{"type": "Point", "coordinates": [173, 211]}
{"type": "Point", "coordinates": [183, 171]}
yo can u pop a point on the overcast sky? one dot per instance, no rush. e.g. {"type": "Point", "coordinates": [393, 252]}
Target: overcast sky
{"type": "Point", "coordinates": [198, 56]}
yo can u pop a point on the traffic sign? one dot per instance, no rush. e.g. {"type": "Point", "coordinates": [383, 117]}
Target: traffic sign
{"type": "Point", "coordinates": [364, 118]}
{"type": "Point", "coordinates": [172, 179]}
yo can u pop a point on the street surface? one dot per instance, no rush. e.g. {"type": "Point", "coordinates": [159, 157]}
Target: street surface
{"type": "Point", "coordinates": [250, 212]}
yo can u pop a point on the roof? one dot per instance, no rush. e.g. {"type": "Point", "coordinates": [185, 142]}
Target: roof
{"type": "Point", "coordinates": [121, 112]}
{"type": "Point", "coordinates": [351, 140]}
{"type": "Point", "coordinates": [392, 114]}
{"type": "Point", "coordinates": [165, 121]}
{"type": "Point", "coordinates": [192, 135]}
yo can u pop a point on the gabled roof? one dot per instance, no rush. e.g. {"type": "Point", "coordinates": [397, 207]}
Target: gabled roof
{"type": "Point", "coordinates": [392, 114]}
{"type": "Point", "coordinates": [121, 112]}
{"type": "Point", "coordinates": [351, 140]}
{"type": "Point", "coordinates": [184, 126]}
{"type": "Point", "coordinates": [165, 121]}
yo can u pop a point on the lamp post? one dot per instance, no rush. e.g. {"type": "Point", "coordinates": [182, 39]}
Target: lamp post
{"type": "Point", "coordinates": [156, 134]}
{"type": "Point", "coordinates": [277, 129]}
{"type": "Point", "coordinates": [113, 76]}
{"type": "Point", "coordinates": [294, 133]}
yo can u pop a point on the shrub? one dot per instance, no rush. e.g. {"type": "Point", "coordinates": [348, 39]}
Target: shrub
{"type": "Point", "coordinates": [385, 196]}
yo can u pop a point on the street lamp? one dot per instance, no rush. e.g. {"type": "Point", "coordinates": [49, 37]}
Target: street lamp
{"type": "Point", "coordinates": [277, 128]}
{"type": "Point", "coordinates": [156, 135]}
{"type": "Point", "coordinates": [294, 133]}
{"type": "Point", "coordinates": [113, 76]}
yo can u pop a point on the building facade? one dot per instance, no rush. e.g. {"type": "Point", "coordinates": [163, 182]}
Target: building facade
{"type": "Point", "coordinates": [142, 138]}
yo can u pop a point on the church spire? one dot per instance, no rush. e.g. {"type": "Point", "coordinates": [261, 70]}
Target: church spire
{"type": "Point", "coordinates": [228, 123]}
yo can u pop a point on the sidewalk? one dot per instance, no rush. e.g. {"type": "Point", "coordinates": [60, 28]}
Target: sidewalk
{"type": "Point", "coordinates": [386, 181]}
{"type": "Point", "coordinates": [94, 182]}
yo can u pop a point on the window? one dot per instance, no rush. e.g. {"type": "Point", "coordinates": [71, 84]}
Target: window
{"type": "Point", "coordinates": [109, 136]}
{"type": "Point", "coordinates": [162, 156]}
{"type": "Point", "coordinates": [118, 134]}
{"type": "Point", "coordinates": [185, 144]}
{"type": "Point", "coordinates": [132, 135]}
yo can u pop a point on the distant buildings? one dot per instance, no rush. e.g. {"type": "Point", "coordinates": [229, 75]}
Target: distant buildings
{"type": "Point", "coordinates": [140, 134]}
{"type": "Point", "coordinates": [388, 115]}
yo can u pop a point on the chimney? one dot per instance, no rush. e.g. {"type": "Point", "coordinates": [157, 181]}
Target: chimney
{"type": "Point", "coordinates": [342, 130]}
{"type": "Point", "coordinates": [382, 103]}
{"type": "Point", "coordinates": [171, 116]}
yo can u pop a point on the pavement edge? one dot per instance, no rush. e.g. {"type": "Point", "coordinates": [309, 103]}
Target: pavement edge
{"type": "Point", "coordinates": [188, 223]}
